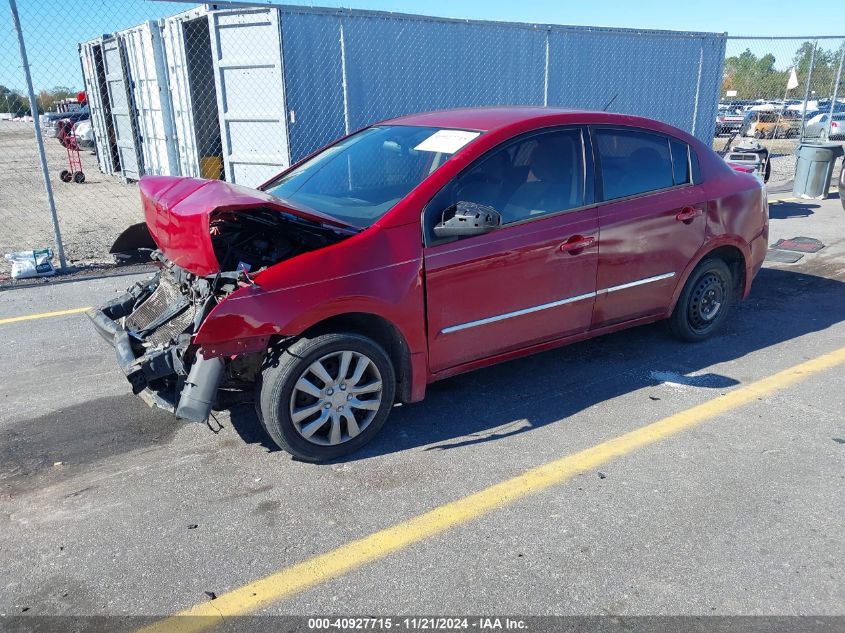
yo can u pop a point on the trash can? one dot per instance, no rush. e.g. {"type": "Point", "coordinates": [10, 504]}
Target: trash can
{"type": "Point", "coordinates": [815, 168]}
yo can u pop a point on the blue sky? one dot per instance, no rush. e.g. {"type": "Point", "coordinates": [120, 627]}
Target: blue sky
{"type": "Point", "coordinates": [53, 27]}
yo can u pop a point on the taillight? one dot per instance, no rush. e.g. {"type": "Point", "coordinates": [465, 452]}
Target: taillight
{"type": "Point", "coordinates": [834, 124]}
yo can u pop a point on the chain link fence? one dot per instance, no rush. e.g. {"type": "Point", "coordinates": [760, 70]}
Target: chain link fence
{"type": "Point", "coordinates": [240, 92]}
{"type": "Point", "coordinates": [778, 92]}
{"type": "Point", "coordinates": [90, 214]}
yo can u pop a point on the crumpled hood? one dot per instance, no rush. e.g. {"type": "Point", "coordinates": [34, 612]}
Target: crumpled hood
{"type": "Point", "coordinates": [177, 213]}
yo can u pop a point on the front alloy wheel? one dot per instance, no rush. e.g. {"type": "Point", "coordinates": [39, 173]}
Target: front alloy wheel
{"type": "Point", "coordinates": [336, 398]}
{"type": "Point", "coordinates": [327, 396]}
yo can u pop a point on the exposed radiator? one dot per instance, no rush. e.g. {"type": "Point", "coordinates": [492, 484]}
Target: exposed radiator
{"type": "Point", "coordinates": [166, 298]}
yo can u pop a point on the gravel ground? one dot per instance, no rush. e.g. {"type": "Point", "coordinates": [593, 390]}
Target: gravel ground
{"type": "Point", "coordinates": [91, 214]}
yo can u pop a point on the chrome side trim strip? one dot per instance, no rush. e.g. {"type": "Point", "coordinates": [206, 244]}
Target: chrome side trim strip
{"type": "Point", "coordinates": [638, 282]}
{"type": "Point", "coordinates": [510, 315]}
{"type": "Point", "coordinates": [553, 304]}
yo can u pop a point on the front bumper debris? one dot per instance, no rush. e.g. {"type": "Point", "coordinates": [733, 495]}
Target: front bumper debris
{"type": "Point", "coordinates": [150, 328]}
{"type": "Point", "coordinates": [140, 371]}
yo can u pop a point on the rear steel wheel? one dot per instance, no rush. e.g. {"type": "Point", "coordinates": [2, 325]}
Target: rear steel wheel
{"type": "Point", "coordinates": [707, 299]}
{"type": "Point", "coordinates": [704, 302]}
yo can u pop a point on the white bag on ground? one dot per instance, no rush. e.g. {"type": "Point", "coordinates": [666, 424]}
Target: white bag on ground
{"type": "Point", "coordinates": [26, 264]}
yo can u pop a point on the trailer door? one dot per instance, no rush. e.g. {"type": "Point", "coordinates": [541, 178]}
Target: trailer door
{"type": "Point", "coordinates": [147, 71]}
{"type": "Point", "coordinates": [176, 55]}
{"type": "Point", "coordinates": [249, 81]}
{"type": "Point", "coordinates": [121, 109]}
{"type": "Point", "coordinates": [96, 107]}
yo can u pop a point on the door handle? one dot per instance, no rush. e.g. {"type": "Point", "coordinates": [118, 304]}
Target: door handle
{"type": "Point", "coordinates": [577, 243]}
{"type": "Point", "coordinates": [688, 214]}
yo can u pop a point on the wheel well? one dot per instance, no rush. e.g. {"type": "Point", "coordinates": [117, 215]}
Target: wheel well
{"type": "Point", "coordinates": [735, 260]}
{"type": "Point", "coordinates": [382, 332]}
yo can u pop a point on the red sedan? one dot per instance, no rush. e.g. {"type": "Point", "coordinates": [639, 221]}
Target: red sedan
{"type": "Point", "coordinates": [426, 246]}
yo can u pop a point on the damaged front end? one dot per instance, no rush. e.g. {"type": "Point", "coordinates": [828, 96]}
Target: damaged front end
{"type": "Point", "coordinates": [211, 237]}
{"type": "Point", "coordinates": [151, 327]}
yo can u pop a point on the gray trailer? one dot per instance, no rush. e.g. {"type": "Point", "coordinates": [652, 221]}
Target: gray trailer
{"type": "Point", "coordinates": [257, 88]}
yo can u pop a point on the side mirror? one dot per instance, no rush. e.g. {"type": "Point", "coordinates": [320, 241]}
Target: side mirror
{"type": "Point", "coordinates": [467, 218]}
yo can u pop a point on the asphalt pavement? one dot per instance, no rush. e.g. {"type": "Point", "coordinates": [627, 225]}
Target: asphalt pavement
{"type": "Point", "coordinates": [108, 507]}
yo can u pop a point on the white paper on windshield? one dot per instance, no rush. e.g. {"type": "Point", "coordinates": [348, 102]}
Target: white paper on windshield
{"type": "Point", "coordinates": [446, 141]}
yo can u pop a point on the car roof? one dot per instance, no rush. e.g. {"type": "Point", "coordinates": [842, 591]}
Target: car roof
{"type": "Point", "coordinates": [490, 119]}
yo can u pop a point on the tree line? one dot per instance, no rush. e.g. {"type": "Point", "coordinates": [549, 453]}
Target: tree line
{"type": "Point", "coordinates": [17, 104]}
{"type": "Point", "coordinates": [756, 77]}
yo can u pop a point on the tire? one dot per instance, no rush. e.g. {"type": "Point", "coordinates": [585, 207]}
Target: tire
{"type": "Point", "coordinates": [279, 397]}
{"type": "Point", "coordinates": [704, 302]}
{"type": "Point", "coordinates": [66, 176]}
{"type": "Point", "coordinates": [78, 177]}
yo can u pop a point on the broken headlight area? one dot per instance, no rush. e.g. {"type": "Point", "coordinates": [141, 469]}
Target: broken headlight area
{"type": "Point", "coordinates": [151, 327]}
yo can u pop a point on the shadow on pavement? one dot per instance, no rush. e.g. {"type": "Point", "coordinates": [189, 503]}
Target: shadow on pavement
{"type": "Point", "coordinates": [477, 407]}
{"type": "Point", "coordinates": [70, 438]}
{"type": "Point", "coordinates": [521, 395]}
{"type": "Point", "coordinates": [525, 394]}
{"type": "Point", "coordinates": [780, 210]}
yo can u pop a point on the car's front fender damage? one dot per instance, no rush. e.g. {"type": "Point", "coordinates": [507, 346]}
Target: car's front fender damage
{"type": "Point", "coordinates": [151, 328]}
{"type": "Point", "coordinates": [213, 238]}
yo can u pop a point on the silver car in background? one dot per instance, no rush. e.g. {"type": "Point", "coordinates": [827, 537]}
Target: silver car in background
{"type": "Point", "coordinates": [817, 127]}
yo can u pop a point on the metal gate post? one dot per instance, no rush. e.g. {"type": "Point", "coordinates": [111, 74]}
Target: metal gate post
{"type": "Point", "coordinates": [698, 86]}
{"type": "Point", "coordinates": [33, 109]}
{"type": "Point", "coordinates": [344, 84]}
{"type": "Point", "coordinates": [835, 90]}
{"type": "Point", "coordinates": [807, 93]}
{"type": "Point", "coordinates": [546, 73]}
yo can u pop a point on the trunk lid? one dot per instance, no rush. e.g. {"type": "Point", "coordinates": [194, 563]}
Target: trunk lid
{"type": "Point", "coordinates": [177, 212]}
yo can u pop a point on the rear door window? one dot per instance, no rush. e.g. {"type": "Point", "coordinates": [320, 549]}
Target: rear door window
{"type": "Point", "coordinates": [633, 162]}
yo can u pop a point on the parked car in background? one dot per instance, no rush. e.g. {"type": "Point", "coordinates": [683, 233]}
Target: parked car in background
{"type": "Point", "coordinates": [423, 247]}
{"type": "Point", "coordinates": [50, 121]}
{"type": "Point", "coordinates": [837, 127]}
{"type": "Point", "coordinates": [761, 124]}
{"type": "Point", "coordinates": [823, 126]}
{"type": "Point", "coordinates": [728, 122]}
{"type": "Point", "coordinates": [816, 125]}
{"type": "Point", "coordinates": [84, 132]}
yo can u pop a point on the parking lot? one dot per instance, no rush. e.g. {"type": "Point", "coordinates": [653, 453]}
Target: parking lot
{"type": "Point", "coordinates": [662, 478]}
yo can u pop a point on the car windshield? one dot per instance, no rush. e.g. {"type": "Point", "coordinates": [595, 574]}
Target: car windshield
{"type": "Point", "coordinates": [359, 179]}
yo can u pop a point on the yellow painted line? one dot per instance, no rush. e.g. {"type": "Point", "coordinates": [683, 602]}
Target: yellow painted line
{"type": "Point", "coordinates": [43, 315]}
{"type": "Point", "coordinates": [344, 559]}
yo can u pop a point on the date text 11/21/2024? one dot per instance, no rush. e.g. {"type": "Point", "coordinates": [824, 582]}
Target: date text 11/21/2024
{"type": "Point", "coordinates": [416, 623]}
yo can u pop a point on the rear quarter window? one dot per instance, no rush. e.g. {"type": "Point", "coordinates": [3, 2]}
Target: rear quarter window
{"type": "Point", "coordinates": [680, 162]}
